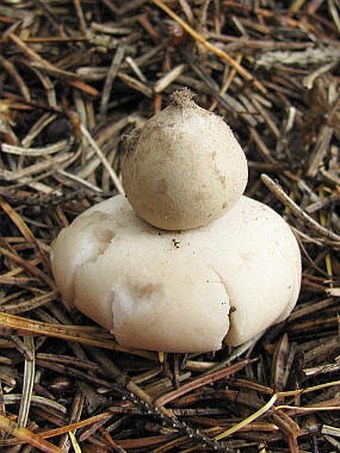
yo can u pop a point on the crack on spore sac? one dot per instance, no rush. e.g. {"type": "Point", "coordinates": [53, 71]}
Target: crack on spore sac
{"type": "Point", "coordinates": [232, 308]}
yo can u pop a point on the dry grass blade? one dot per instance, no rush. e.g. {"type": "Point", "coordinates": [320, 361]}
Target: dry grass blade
{"type": "Point", "coordinates": [26, 436]}
{"type": "Point", "coordinates": [18, 79]}
{"type": "Point", "coordinates": [331, 430]}
{"type": "Point", "coordinates": [31, 152]}
{"type": "Point", "coordinates": [89, 336]}
{"type": "Point", "coordinates": [28, 267]}
{"type": "Point", "coordinates": [28, 382]}
{"type": "Point", "coordinates": [249, 419]}
{"type": "Point", "coordinates": [114, 67]}
{"type": "Point", "coordinates": [26, 232]}
{"type": "Point", "coordinates": [43, 64]}
{"type": "Point", "coordinates": [101, 156]}
{"type": "Point", "coordinates": [18, 307]}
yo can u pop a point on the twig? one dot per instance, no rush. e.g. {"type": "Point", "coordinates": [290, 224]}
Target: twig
{"type": "Point", "coordinates": [297, 211]}
{"type": "Point", "coordinates": [204, 380]}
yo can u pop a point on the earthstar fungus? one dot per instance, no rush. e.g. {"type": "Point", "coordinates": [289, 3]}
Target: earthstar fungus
{"type": "Point", "coordinates": [223, 268]}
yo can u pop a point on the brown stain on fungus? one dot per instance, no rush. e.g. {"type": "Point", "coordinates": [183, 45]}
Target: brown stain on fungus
{"type": "Point", "coordinates": [145, 291]}
{"type": "Point", "coordinates": [162, 187]}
